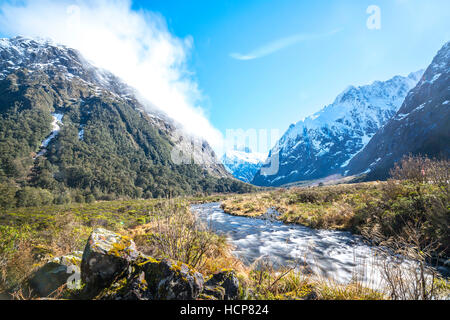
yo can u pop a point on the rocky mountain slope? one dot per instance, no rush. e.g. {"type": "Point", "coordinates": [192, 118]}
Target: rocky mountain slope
{"type": "Point", "coordinates": [421, 126]}
{"type": "Point", "coordinates": [243, 164]}
{"type": "Point", "coordinates": [324, 143]}
{"type": "Point", "coordinates": [68, 127]}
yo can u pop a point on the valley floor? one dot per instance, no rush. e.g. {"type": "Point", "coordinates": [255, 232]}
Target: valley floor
{"type": "Point", "coordinates": [29, 237]}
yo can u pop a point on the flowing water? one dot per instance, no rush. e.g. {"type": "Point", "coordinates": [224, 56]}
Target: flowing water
{"type": "Point", "coordinates": [335, 255]}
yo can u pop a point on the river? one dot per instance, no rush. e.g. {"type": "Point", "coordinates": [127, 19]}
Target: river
{"type": "Point", "coordinates": [333, 255]}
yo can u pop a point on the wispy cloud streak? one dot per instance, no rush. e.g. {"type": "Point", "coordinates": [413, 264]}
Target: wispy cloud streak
{"type": "Point", "coordinates": [280, 44]}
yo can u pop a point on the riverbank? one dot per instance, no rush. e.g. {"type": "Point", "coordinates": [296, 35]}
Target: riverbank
{"type": "Point", "coordinates": [166, 228]}
{"type": "Point", "coordinates": [162, 229]}
{"type": "Point", "coordinates": [326, 207]}
{"type": "Point", "coordinates": [379, 211]}
{"type": "Point", "coordinates": [325, 255]}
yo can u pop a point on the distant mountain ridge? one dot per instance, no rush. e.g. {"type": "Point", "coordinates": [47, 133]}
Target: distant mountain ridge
{"type": "Point", "coordinates": [324, 143]}
{"type": "Point", "coordinates": [421, 126]}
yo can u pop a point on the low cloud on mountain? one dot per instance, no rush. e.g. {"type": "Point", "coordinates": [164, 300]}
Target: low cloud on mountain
{"type": "Point", "coordinates": [135, 45]}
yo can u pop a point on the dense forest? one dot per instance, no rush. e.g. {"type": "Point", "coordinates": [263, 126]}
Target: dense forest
{"type": "Point", "coordinates": [121, 153]}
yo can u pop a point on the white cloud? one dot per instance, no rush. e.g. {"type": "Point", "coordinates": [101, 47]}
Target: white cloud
{"type": "Point", "coordinates": [279, 44]}
{"type": "Point", "coordinates": [134, 45]}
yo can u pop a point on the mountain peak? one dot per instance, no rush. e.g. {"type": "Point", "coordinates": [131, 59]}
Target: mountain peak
{"type": "Point", "coordinates": [323, 143]}
{"type": "Point", "coordinates": [416, 75]}
{"type": "Point", "coordinates": [70, 79]}
{"type": "Point", "coordinates": [419, 127]}
{"type": "Point", "coordinates": [44, 55]}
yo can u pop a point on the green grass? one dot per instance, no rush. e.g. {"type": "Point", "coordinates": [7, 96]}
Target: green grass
{"type": "Point", "coordinates": [31, 236]}
{"type": "Point", "coordinates": [165, 229]}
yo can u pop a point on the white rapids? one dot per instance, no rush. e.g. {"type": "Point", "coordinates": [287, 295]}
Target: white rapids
{"type": "Point", "coordinates": [334, 255]}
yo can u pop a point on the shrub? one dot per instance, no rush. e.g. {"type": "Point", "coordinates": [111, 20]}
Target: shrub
{"type": "Point", "coordinates": [32, 197]}
{"type": "Point", "coordinates": [79, 198]}
{"type": "Point", "coordinates": [420, 169]}
{"type": "Point", "coordinates": [411, 218]}
{"type": "Point", "coordinates": [90, 198]}
{"type": "Point", "coordinates": [7, 195]}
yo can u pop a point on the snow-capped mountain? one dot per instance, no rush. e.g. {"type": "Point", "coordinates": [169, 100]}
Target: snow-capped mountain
{"type": "Point", "coordinates": [80, 80]}
{"type": "Point", "coordinates": [243, 164]}
{"type": "Point", "coordinates": [76, 131]}
{"type": "Point", "coordinates": [421, 126]}
{"type": "Point", "coordinates": [55, 59]}
{"type": "Point", "coordinates": [324, 143]}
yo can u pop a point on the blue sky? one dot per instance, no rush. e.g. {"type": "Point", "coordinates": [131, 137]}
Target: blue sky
{"type": "Point", "coordinates": [281, 88]}
{"type": "Point", "coordinates": [266, 64]}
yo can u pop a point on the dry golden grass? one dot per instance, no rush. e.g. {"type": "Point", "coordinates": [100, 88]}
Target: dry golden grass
{"type": "Point", "coordinates": [180, 237]}
{"type": "Point", "coordinates": [328, 207]}
{"type": "Point", "coordinates": [354, 291]}
{"type": "Point", "coordinates": [264, 281]}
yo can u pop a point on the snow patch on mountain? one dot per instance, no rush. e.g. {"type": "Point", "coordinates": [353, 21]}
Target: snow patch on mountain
{"type": "Point", "coordinates": [56, 128]}
{"type": "Point", "coordinates": [44, 55]}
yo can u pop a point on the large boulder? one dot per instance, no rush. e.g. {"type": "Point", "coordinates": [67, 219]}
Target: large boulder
{"type": "Point", "coordinates": [152, 279]}
{"type": "Point", "coordinates": [106, 258]}
{"type": "Point", "coordinates": [171, 280]}
{"type": "Point", "coordinates": [223, 285]}
{"type": "Point", "coordinates": [56, 273]}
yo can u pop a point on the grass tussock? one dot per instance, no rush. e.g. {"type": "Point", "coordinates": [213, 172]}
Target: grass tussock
{"type": "Point", "coordinates": [179, 236]}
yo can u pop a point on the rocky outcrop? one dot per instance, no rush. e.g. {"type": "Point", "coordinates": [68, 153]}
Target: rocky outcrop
{"type": "Point", "coordinates": [151, 279]}
{"type": "Point", "coordinates": [170, 280]}
{"type": "Point", "coordinates": [55, 274]}
{"type": "Point", "coordinates": [113, 269]}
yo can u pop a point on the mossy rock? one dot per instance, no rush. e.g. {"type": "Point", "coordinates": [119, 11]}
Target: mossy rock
{"type": "Point", "coordinates": [216, 292]}
{"type": "Point", "coordinates": [56, 273]}
{"type": "Point", "coordinates": [134, 287]}
{"type": "Point", "coordinates": [106, 258]}
{"type": "Point", "coordinates": [228, 280]}
{"type": "Point", "coordinates": [172, 280]}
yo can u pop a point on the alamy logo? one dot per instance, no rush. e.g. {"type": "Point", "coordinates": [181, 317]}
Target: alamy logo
{"type": "Point", "coordinates": [374, 20]}
{"type": "Point", "coordinates": [73, 16]}
{"type": "Point", "coordinates": [271, 166]}
{"type": "Point", "coordinates": [73, 282]}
